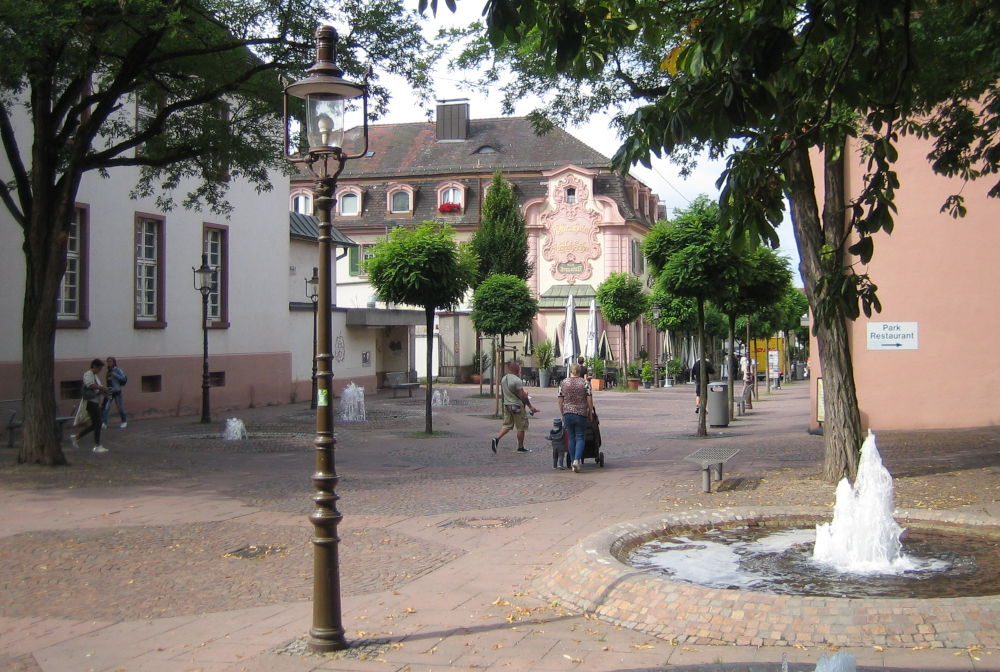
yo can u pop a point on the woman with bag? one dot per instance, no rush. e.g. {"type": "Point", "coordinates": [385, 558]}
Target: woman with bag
{"type": "Point", "coordinates": [93, 395]}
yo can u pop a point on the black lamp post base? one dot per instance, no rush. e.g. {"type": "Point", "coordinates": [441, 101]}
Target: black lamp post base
{"type": "Point", "coordinates": [326, 641]}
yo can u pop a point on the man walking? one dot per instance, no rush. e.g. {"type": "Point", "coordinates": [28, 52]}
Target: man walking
{"type": "Point", "coordinates": [515, 401]}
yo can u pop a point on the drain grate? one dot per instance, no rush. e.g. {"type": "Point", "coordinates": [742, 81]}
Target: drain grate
{"type": "Point", "coordinates": [257, 551]}
{"type": "Point", "coordinates": [483, 523]}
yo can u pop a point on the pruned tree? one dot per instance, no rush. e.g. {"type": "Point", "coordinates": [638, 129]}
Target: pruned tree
{"type": "Point", "coordinates": [188, 92]}
{"type": "Point", "coordinates": [622, 300]}
{"type": "Point", "coordinates": [422, 266]}
{"type": "Point", "coordinates": [689, 256]}
{"type": "Point", "coordinates": [501, 241]}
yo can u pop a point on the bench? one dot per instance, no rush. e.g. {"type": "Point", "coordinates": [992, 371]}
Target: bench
{"type": "Point", "coordinates": [11, 409]}
{"type": "Point", "coordinates": [711, 458]}
{"type": "Point", "coordinates": [397, 380]}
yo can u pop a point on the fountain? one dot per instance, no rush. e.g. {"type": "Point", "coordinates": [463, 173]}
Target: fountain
{"type": "Point", "coordinates": [863, 535]}
{"type": "Point", "coordinates": [440, 398]}
{"type": "Point", "coordinates": [772, 575]}
{"type": "Point", "coordinates": [352, 404]}
{"type": "Point", "coordinates": [235, 430]}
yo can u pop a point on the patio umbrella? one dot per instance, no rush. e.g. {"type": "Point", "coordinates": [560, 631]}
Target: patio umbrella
{"type": "Point", "coordinates": [590, 344]}
{"type": "Point", "coordinates": [529, 344]}
{"type": "Point", "coordinates": [571, 336]}
{"type": "Point", "coordinates": [604, 348]}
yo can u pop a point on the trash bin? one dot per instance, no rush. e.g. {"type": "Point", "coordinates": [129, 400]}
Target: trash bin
{"type": "Point", "coordinates": [718, 403]}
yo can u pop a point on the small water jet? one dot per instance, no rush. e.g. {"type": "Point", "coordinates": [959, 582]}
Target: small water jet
{"type": "Point", "coordinates": [352, 404]}
{"type": "Point", "coordinates": [863, 535]}
{"type": "Point", "coordinates": [440, 398]}
{"type": "Point", "coordinates": [235, 430]}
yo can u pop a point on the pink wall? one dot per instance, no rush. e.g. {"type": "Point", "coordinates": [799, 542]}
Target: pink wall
{"type": "Point", "coordinates": [254, 379]}
{"type": "Point", "coordinates": [943, 274]}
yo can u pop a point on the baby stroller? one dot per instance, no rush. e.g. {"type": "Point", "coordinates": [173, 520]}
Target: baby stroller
{"type": "Point", "coordinates": [592, 447]}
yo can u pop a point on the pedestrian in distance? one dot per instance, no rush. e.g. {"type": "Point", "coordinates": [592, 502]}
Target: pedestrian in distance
{"type": "Point", "coordinates": [576, 405]}
{"type": "Point", "coordinates": [516, 407]}
{"type": "Point", "coordinates": [696, 377]}
{"type": "Point", "coordinates": [116, 382]}
{"type": "Point", "coordinates": [93, 396]}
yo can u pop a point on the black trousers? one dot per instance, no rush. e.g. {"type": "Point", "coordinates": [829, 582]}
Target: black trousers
{"type": "Point", "coordinates": [94, 411]}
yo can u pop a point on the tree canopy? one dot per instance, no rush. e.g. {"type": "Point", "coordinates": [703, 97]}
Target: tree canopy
{"type": "Point", "coordinates": [422, 266]}
{"type": "Point", "coordinates": [503, 305]}
{"type": "Point", "coordinates": [622, 300]}
{"type": "Point", "coordinates": [501, 241]}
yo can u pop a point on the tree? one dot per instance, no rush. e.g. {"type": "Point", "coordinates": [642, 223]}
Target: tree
{"type": "Point", "coordinates": [691, 257]}
{"type": "Point", "coordinates": [672, 314]}
{"type": "Point", "coordinates": [422, 266]}
{"type": "Point", "coordinates": [503, 305]}
{"type": "Point", "coordinates": [621, 300]}
{"type": "Point", "coordinates": [207, 82]}
{"type": "Point", "coordinates": [777, 86]}
{"type": "Point", "coordinates": [501, 241]}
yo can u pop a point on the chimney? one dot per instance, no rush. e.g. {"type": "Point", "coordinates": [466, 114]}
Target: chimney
{"type": "Point", "coordinates": [453, 120]}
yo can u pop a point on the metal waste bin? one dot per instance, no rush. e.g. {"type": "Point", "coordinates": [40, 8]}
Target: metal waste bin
{"type": "Point", "coordinates": [718, 403]}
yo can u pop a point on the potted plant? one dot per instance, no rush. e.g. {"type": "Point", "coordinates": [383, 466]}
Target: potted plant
{"type": "Point", "coordinates": [632, 375]}
{"type": "Point", "coordinates": [543, 355]}
{"type": "Point", "coordinates": [673, 370]}
{"type": "Point", "coordinates": [595, 367]}
{"type": "Point", "coordinates": [480, 362]}
{"type": "Point", "coordinates": [646, 373]}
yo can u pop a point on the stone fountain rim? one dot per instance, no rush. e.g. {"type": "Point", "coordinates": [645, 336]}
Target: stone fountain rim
{"type": "Point", "coordinates": [594, 579]}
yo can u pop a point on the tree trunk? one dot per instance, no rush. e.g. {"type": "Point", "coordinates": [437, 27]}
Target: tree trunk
{"type": "Point", "coordinates": [623, 374]}
{"type": "Point", "coordinates": [814, 237]}
{"type": "Point", "coordinates": [729, 364]}
{"type": "Point", "coordinates": [429, 423]}
{"type": "Point", "coordinates": [45, 262]}
{"type": "Point", "coordinates": [702, 374]}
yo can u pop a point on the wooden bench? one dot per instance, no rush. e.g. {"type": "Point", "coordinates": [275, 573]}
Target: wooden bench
{"type": "Point", "coordinates": [13, 411]}
{"type": "Point", "coordinates": [711, 458]}
{"type": "Point", "coordinates": [397, 380]}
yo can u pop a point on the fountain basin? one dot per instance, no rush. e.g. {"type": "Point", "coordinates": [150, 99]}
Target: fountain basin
{"type": "Point", "coordinates": [595, 578]}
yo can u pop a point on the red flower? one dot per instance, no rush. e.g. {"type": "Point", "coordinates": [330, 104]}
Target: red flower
{"type": "Point", "coordinates": [448, 208]}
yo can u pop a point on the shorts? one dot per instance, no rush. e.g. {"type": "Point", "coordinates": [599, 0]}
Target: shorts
{"type": "Point", "coordinates": [518, 420]}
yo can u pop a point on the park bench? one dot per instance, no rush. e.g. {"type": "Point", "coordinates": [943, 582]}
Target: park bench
{"type": "Point", "coordinates": [711, 458]}
{"type": "Point", "coordinates": [397, 380]}
{"type": "Point", "coordinates": [13, 412]}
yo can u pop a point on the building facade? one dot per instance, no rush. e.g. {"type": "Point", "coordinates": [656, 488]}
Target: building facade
{"type": "Point", "coordinates": [584, 221]}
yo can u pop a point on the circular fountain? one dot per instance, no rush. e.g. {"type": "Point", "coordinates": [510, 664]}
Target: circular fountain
{"type": "Point", "coordinates": [696, 601]}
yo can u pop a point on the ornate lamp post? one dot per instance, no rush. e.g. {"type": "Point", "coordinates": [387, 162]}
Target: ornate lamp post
{"type": "Point", "coordinates": [312, 292]}
{"type": "Point", "coordinates": [203, 281]}
{"type": "Point", "coordinates": [325, 93]}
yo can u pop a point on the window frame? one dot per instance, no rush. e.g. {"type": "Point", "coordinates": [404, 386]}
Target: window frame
{"type": "Point", "coordinates": [354, 256]}
{"type": "Point", "coordinates": [218, 312]}
{"type": "Point", "coordinates": [345, 191]}
{"type": "Point", "coordinates": [446, 188]}
{"type": "Point", "coordinates": [397, 189]}
{"type": "Point", "coordinates": [158, 320]}
{"type": "Point", "coordinates": [80, 319]}
{"type": "Point", "coordinates": [306, 196]}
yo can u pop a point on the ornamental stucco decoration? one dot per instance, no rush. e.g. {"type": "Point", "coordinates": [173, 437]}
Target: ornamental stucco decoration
{"type": "Point", "coordinates": [571, 241]}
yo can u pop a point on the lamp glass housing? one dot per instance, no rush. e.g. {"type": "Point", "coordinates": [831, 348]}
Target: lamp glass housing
{"type": "Point", "coordinates": [203, 278]}
{"type": "Point", "coordinates": [325, 120]}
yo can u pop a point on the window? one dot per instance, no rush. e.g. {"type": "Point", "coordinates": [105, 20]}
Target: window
{"type": "Point", "coordinates": [302, 203]}
{"type": "Point", "coordinates": [570, 195]}
{"type": "Point", "coordinates": [400, 202]}
{"type": "Point", "coordinates": [71, 303]}
{"type": "Point", "coordinates": [149, 272]}
{"type": "Point", "coordinates": [451, 198]}
{"type": "Point", "coordinates": [349, 201]}
{"type": "Point", "coordinates": [216, 247]}
{"type": "Point", "coordinates": [356, 256]}
{"type": "Point", "coordinates": [638, 263]}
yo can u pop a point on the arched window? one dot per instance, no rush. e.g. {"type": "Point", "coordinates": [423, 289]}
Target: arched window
{"type": "Point", "coordinates": [302, 203]}
{"type": "Point", "coordinates": [400, 202]}
{"type": "Point", "coordinates": [349, 201]}
{"type": "Point", "coordinates": [570, 195]}
{"type": "Point", "coordinates": [451, 198]}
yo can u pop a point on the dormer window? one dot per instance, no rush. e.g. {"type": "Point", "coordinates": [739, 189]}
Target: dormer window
{"type": "Point", "coordinates": [451, 199]}
{"type": "Point", "coordinates": [349, 203]}
{"type": "Point", "coordinates": [399, 199]}
{"type": "Point", "coordinates": [487, 149]}
{"type": "Point", "coordinates": [570, 195]}
{"type": "Point", "coordinates": [302, 203]}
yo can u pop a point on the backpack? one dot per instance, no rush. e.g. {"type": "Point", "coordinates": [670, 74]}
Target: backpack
{"type": "Point", "coordinates": [121, 377]}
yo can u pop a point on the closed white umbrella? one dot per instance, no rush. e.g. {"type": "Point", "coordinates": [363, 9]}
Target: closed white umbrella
{"type": "Point", "coordinates": [571, 338]}
{"type": "Point", "coordinates": [590, 344]}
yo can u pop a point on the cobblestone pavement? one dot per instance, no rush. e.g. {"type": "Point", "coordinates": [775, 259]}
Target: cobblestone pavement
{"type": "Point", "coordinates": [179, 550]}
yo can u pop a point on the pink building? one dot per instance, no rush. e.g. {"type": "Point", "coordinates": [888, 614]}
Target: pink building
{"type": "Point", "coordinates": [928, 360]}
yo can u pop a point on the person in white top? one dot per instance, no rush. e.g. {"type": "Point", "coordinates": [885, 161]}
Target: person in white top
{"type": "Point", "coordinates": [93, 396]}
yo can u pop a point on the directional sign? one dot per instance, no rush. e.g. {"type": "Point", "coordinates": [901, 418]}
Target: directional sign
{"type": "Point", "coordinates": [892, 336]}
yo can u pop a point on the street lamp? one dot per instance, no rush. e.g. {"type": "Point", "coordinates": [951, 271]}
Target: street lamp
{"type": "Point", "coordinates": [312, 292]}
{"type": "Point", "coordinates": [203, 281]}
{"type": "Point", "coordinates": [325, 93]}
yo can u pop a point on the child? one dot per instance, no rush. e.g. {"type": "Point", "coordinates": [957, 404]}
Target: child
{"type": "Point", "coordinates": [560, 445]}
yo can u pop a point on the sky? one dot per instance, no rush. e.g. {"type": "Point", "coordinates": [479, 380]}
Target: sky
{"type": "Point", "coordinates": [664, 178]}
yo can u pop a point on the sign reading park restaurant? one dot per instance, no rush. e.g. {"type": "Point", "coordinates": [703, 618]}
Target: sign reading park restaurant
{"type": "Point", "coordinates": [892, 336]}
